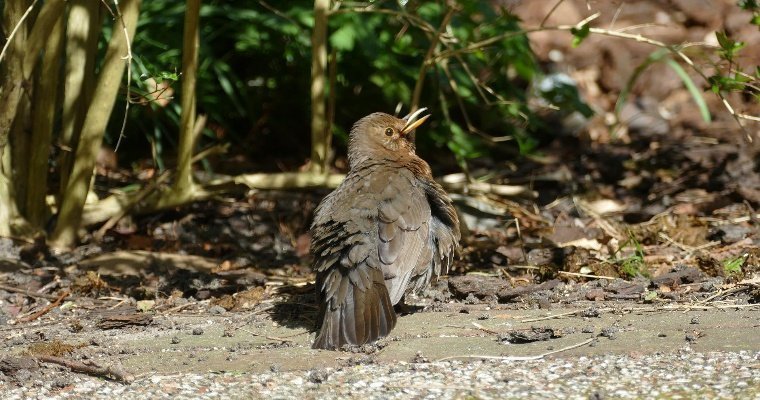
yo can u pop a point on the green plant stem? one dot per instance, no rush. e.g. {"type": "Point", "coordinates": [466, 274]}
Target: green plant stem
{"type": "Point", "coordinates": [675, 49]}
{"type": "Point", "coordinates": [434, 40]}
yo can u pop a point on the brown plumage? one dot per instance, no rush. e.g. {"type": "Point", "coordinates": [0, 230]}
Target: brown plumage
{"type": "Point", "coordinates": [386, 231]}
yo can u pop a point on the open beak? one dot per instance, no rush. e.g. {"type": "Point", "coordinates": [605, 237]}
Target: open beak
{"type": "Point", "coordinates": [412, 121]}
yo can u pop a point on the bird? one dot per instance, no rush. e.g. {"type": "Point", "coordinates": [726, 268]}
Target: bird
{"type": "Point", "coordinates": [386, 231]}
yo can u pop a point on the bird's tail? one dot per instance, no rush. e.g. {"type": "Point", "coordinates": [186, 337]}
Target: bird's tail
{"type": "Point", "coordinates": [352, 310]}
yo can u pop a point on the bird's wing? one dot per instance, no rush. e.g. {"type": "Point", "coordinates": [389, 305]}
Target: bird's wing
{"type": "Point", "coordinates": [403, 232]}
{"type": "Point", "coordinates": [444, 227]}
{"type": "Point", "coordinates": [367, 239]}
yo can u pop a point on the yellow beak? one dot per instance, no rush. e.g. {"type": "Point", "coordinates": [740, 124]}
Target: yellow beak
{"type": "Point", "coordinates": [412, 122]}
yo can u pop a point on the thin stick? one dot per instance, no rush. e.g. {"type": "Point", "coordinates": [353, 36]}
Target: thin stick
{"type": "Point", "coordinates": [178, 308]}
{"type": "Point", "coordinates": [722, 293]}
{"type": "Point", "coordinates": [520, 358]}
{"type": "Point", "coordinates": [15, 29]}
{"type": "Point", "coordinates": [615, 17]}
{"type": "Point", "coordinates": [587, 275]}
{"type": "Point", "coordinates": [128, 59]}
{"type": "Point", "coordinates": [28, 292]}
{"type": "Point", "coordinates": [276, 338]}
{"type": "Point", "coordinates": [429, 58]}
{"type": "Point", "coordinates": [748, 117]}
{"type": "Point", "coordinates": [145, 192]}
{"type": "Point", "coordinates": [549, 14]}
{"type": "Point", "coordinates": [90, 369]}
{"type": "Point", "coordinates": [674, 49]}
{"type": "Point", "coordinates": [484, 329]}
{"type": "Point", "coordinates": [47, 308]}
{"type": "Point", "coordinates": [555, 316]}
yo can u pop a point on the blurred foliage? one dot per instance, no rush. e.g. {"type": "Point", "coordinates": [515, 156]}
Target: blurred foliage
{"type": "Point", "coordinates": [729, 76]}
{"type": "Point", "coordinates": [754, 7]}
{"type": "Point", "coordinates": [634, 264]}
{"type": "Point", "coordinates": [580, 34]}
{"type": "Point", "coordinates": [253, 80]}
{"type": "Point", "coordinates": [733, 265]}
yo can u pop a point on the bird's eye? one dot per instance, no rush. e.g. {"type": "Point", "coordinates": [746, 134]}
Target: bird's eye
{"type": "Point", "coordinates": [389, 132]}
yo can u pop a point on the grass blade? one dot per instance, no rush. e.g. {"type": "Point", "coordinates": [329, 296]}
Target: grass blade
{"type": "Point", "coordinates": [692, 88]}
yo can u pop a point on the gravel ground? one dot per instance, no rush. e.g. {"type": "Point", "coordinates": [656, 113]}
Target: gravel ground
{"type": "Point", "coordinates": [684, 374]}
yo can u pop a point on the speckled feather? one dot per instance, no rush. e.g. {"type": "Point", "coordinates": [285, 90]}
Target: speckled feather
{"type": "Point", "coordinates": [386, 231]}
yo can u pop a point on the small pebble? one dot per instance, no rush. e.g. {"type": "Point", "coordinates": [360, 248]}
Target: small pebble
{"type": "Point", "coordinates": [217, 310]}
{"type": "Point", "coordinates": [610, 333]}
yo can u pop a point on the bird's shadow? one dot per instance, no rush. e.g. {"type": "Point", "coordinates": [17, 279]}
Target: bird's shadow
{"type": "Point", "coordinates": [297, 309]}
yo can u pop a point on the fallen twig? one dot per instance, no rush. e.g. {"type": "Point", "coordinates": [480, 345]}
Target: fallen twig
{"type": "Point", "coordinates": [520, 358]}
{"type": "Point", "coordinates": [484, 329]}
{"type": "Point", "coordinates": [90, 368]}
{"type": "Point", "coordinates": [139, 197]}
{"type": "Point", "coordinates": [722, 293]}
{"type": "Point", "coordinates": [28, 292]}
{"type": "Point", "coordinates": [178, 308]}
{"type": "Point", "coordinates": [268, 337]}
{"type": "Point", "coordinates": [458, 183]}
{"type": "Point", "coordinates": [47, 308]}
{"type": "Point", "coordinates": [587, 275]}
{"type": "Point", "coordinates": [565, 314]}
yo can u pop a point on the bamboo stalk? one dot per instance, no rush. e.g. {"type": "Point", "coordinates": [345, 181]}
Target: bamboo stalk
{"type": "Point", "coordinates": [10, 82]}
{"type": "Point", "coordinates": [320, 145]}
{"type": "Point", "coordinates": [43, 118]}
{"type": "Point", "coordinates": [183, 183]}
{"type": "Point", "coordinates": [82, 32]}
{"type": "Point", "coordinates": [112, 71]}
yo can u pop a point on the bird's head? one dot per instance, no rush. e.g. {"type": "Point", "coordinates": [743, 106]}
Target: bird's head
{"type": "Point", "coordinates": [383, 135]}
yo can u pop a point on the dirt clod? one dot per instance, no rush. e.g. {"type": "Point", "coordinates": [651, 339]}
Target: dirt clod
{"type": "Point", "coordinates": [535, 334]}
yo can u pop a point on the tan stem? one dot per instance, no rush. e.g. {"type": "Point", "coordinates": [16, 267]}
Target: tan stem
{"type": "Point", "coordinates": [43, 118]}
{"type": "Point", "coordinates": [112, 71]}
{"type": "Point", "coordinates": [82, 32]}
{"type": "Point", "coordinates": [319, 139]}
{"type": "Point", "coordinates": [184, 180]}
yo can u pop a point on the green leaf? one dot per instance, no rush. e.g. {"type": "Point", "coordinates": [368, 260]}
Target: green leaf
{"type": "Point", "coordinates": [167, 76]}
{"type": "Point", "coordinates": [463, 144]}
{"type": "Point", "coordinates": [733, 266]}
{"type": "Point", "coordinates": [729, 47]}
{"type": "Point", "coordinates": [344, 38]}
{"type": "Point", "coordinates": [692, 88]}
{"type": "Point", "coordinates": [561, 91]}
{"type": "Point", "coordinates": [723, 40]}
{"type": "Point", "coordinates": [651, 59]}
{"type": "Point", "coordinates": [579, 34]}
{"type": "Point", "coordinates": [726, 83]}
